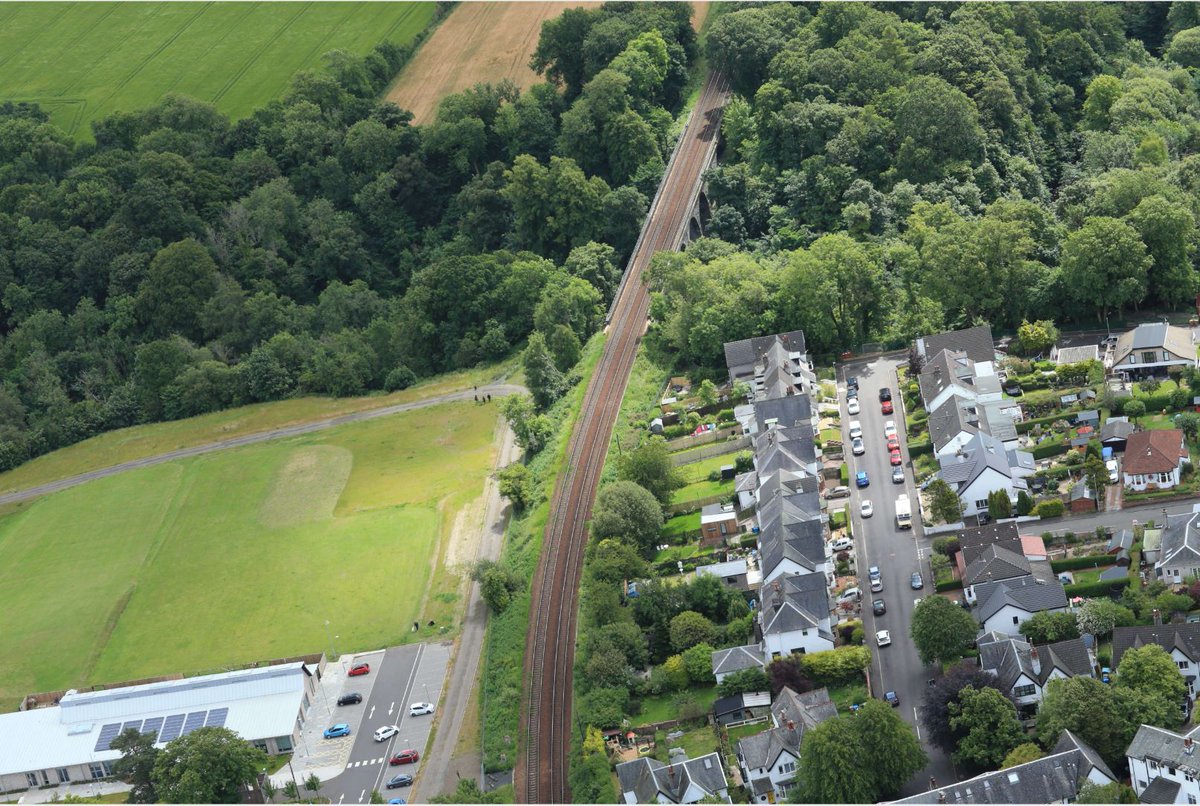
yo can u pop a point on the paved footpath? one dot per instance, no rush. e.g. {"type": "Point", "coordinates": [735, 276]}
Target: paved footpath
{"type": "Point", "coordinates": [496, 390]}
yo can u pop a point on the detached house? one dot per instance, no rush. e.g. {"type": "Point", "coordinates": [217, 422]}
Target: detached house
{"type": "Point", "coordinates": [976, 342]}
{"type": "Point", "coordinates": [1179, 556]}
{"type": "Point", "coordinates": [648, 780]}
{"type": "Point", "coordinates": [768, 760]}
{"type": "Point", "coordinates": [1154, 460]}
{"type": "Point", "coordinates": [1180, 641]}
{"type": "Point", "coordinates": [1163, 767]}
{"type": "Point", "coordinates": [1024, 670]}
{"type": "Point", "coordinates": [983, 466]}
{"type": "Point", "coordinates": [1004, 606]}
{"type": "Point", "coordinates": [1150, 349]}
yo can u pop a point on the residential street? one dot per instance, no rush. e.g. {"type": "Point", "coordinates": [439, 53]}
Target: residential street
{"type": "Point", "coordinates": [897, 553]}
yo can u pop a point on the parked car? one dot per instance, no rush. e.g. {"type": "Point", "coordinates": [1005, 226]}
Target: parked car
{"type": "Point", "coordinates": [399, 781]}
{"type": "Point", "coordinates": [889, 429]}
{"type": "Point", "coordinates": [857, 447]}
{"type": "Point", "coordinates": [873, 572]}
{"type": "Point", "coordinates": [866, 509]}
{"type": "Point", "coordinates": [852, 406]}
{"type": "Point", "coordinates": [852, 382]}
{"type": "Point", "coordinates": [855, 429]}
{"type": "Point", "coordinates": [893, 443]}
{"type": "Point", "coordinates": [1037, 483]}
{"type": "Point", "coordinates": [897, 475]}
{"type": "Point", "coordinates": [876, 585]}
{"type": "Point", "coordinates": [359, 669]}
{"type": "Point", "coordinates": [850, 595]}
{"type": "Point", "coordinates": [334, 731]}
{"type": "Point", "coordinates": [916, 581]}
{"type": "Point", "coordinates": [878, 607]}
{"type": "Point", "coordinates": [852, 393]}
{"type": "Point", "coordinates": [1114, 474]}
{"type": "Point", "coordinates": [386, 732]}
{"type": "Point", "coordinates": [1013, 389]}
{"type": "Point", "coordinates": [838, 492]}
{"type": "Point", "coordinates": [350, 699]}
{"type": "Point", "coordinates": [885, 394]}
{"type": "Point", "coordinates": [420, 708]}
{"type": "Point", "coordinates": [405, 757]}
{"type": "Point", "coordinates": [883, 638]}
{"type": "Point", "coordinates": [861, 479]}
{"type": "Point", "coordinates": [397, 801]}
{"type": "Point", "coordinates": [895, 458]}
{"type": "Point", "coordinates": [892, 699]}
{"type": "Point", "coordinates": [886, 407]}
{"type": "Point", "coordinates": [842, 544]}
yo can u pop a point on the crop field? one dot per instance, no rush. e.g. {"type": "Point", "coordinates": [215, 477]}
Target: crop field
{"type": "Point", "coordinates": [82, 61]}
{"type": "Point", "coordinates": [239, 555]}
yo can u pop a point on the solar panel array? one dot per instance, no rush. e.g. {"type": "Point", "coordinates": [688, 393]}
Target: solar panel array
{"type": "Point", "coordinates": [168, 728]}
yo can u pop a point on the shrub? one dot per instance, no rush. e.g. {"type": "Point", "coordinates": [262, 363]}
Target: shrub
{"type": "Point", "coordinates": [1072, 563]}
{"type": "Point", "coordinates": [399, 378]}
{"type": "Point", "coordinates": [1050, 509]}
{"type": "Point", "coordinates": [1104, 587]}
{"type": "Point", "coordinates": [947, 546]}
{"type": "Point", "coordinates": [1049, 448]}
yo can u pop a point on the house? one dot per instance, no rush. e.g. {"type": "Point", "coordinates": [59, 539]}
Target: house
{"type": "Point", "coordinates": [1150, 349]}
{"type": "Point", "coordinates": [1154, 460]}
{"type": "Point", "coordinates": [728, 661]}
{"type": "Point", "coordinates": [948, 375]}
{"type": "Point", "coordinates": [1115, 432]}
{"type": "Point", "coordinates": [746, 358]}
{"type": "Point", "coordinates": [977, 561]}
{"type": "Point", "coordinates": [737, 574]}
{"type": "Point", "coordinates": [1005, 605]}
{"type": "Point", "coordinates": [1074, 355]}
{"type": "Point", "coordinates": [983, 466]}
{"type": "Point", "coordinates": [794, 616]}
{"type": "Point", "coordinates": [1180, 641]}
{"type": "Point", "coordinates": [794, 411]}
{"type": "Point", "coordinates": [1080, 498]}
{"type": "Point", "coordinates": [717, 521]}
{"type": "Point", "coordinates": [1054, 778]}
{"type": "Point", "coordinates": [1179, 557]}
{"type": "Point", "coordinates": [1088, 417]}
{"type": "Point", "coordinates": [1163, 767]}
{"type": "Point", "coordinates": [976, 342]}
{"type": "Point", "coordinates": [742, 708]}
{"type": "Point", "coordinates": [952, 425]}
{"type": "Point", "coordinates": [1024, 670]}
{"type": "Point", "coordinates": [768, 760]}
{"type": "Point", "coordinates": [648, 780]}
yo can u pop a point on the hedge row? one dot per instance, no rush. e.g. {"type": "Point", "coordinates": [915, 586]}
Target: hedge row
{"type": "Point", "coordinates": [1101, 587]}
{"type": "Point", "coordinates": [1090, 561]}
{"type": "Point", "coordinates": [1048, 449]}
{"type": "Point", "coordinates": [952, 585]}
{"type": "Point", "coordinates": [1050, 509]}
{"type": "Point", "coordinates": [920, 449]}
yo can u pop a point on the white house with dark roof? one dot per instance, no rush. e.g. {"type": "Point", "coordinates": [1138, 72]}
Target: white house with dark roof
{"type": "Point", "coordinates": [1152, 349]}
{"type": "Point", "coordinates": [648, 780]}
{"type": "Point", "coordinates": [1180, 641]}
{"type": "Point", "coordinates": [1154, 459]}
{"type": "Point", "coordinates": [769, 760]}
{"type": "Point", "coordinates": [947, 376]}
{"type": "Point", "coordinates": [1023, 670]}
{"type": "Point", "coordinates": [795, 616]}
{"type": "Point", "coordinates": [983, 466]}
{"type": "Point", "coordinates": [976, 342]}
{"type": "Point", "coordinates": [1163, 765]}
{"type": "Point", "coordinates": [736, 659]}
{"type": "Point", "coordinates": [1179, 556]}
{"type": "Point", "coordinates": [1057, 777]}
{"type": "Point", "coordinates": [1004, 606]}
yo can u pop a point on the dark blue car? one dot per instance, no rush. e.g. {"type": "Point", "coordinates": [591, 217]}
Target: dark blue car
{"type": "Point", "coordinates": [862, 480]}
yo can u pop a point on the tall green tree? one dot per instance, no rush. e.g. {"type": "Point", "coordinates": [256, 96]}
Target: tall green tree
{"type": "Point", "coordinates": [649, 465]}
{"type": "Point", "coordinates": [859, 759]}
{"type": "Point", "coordinates": [989, 727]}
{"type": "Point", "coordinates": [1106, 717]}
{"type": "Point", "coordinates": [545, 382]}
{"type": "Point", "coordinates": [941, 629]}
{"type": "Point", "coordinates": [136, 764]}
{"type": "Point", "coordinates": [627, 512]}
{"type": "Point", "coordinates": [1105, 264]}
{"type": "Point", "coordinates": [944, 504]}
{"type": "Point", "coordinates": [209, 765]}
{"type": "Point", "coordinates": [1151, 671]}
{"type": "Point", "coordinates": [181, 278]}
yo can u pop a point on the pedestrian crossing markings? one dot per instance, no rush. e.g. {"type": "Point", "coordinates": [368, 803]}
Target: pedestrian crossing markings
{"type": "Point", "coordinates": [365, 763]}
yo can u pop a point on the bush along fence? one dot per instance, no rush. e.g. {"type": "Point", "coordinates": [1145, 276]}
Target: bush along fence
{"type": "Point", "coordinates": [1090, 561]}
{"type": "Point", "coordinates": [1101, 587]}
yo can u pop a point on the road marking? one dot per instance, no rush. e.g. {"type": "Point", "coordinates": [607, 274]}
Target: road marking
{"type": "Point", "coordinates": [372, 714]}
{"type": "Point", "coordinates": [391, 708]}
{"type": "Point", "coordinates": [917, 720]}
{"type": "Point", "coordinates": [361, 795]}
{"type": "Point", "coordinates": [407, 694]}
{"type": "Point", "coordinates": [342, 797]}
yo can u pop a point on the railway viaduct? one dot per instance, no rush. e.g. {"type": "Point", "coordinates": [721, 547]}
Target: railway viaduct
{"type": "Point", "coordinates": [673, 221]}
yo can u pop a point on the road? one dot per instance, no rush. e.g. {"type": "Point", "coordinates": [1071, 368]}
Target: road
{"type": "Point", "coordinates": [897, 553]}
{"type": "Point", "coordinates": [546, 727]}
{"type": "Point", "coordinates": [496, 390]}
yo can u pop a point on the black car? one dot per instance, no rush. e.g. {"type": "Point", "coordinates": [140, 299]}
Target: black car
{"type": "Point", "coordinates": [878, 607]}
{"type": "Point", "coordinates": [1013, 390]}
{"type": "Point", "coordinates": [350, 699]}
{"type": "Point", "coordinates": [1037, 483]}
{"type": "Point", "coordinates": [851, 391]}
{"type": "Point", "coordinates": [399, 781]}
{"type": "Point", "coordinates": [885, 394]}
{"type": "Point", "coordinates": [852, 382]}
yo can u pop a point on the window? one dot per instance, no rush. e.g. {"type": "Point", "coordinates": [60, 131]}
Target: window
{"type": "Point", "coordinates": [1191, 798]}
{"type": "Point", "coordinates": [96, 770]}
{"type": "Point", "coordinates": [1154, 766]}
{"type": "Point", "coordinates": [31, 779]}
{"type": "Point", "coordinates": [789, 767]}
{"type": "Point", "coordinates": [283, 744]}
{"type": "Point", "coordinates": [1016, 619]}
{"type": "Point", "coordinates": [1182, 664]}
{"type": "Point", "coordinates": [981, 504]}
{"type": "Point", "coordinates": [64, 776]}
{"type": "Point", "coordinates": [1148, 357]}
{"type": "Point", "coordinates": [1166, 356]}
{"type": "Point", "coordinates": [1171, 770]}
{"type": "Point", "coordinates": [1024, 691]}
{"type": "Point", "coordinates": [1132, 359]}
{"type": "Point", "coordinates": [261, 745]}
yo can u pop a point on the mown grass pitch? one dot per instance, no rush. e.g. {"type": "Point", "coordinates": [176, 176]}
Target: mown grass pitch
{"type": "Point", "coordinates": [82, 61]}
{"type": "Point", "coordinates": [239, 555]}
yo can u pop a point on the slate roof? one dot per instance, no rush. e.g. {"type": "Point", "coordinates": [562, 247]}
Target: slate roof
{"type": "Point", "coordinates": [801, 542]}
{"type": "Point", "coordinates": [1050, 779]}
{"type": "Point", "coordinates": [794, 602]}
{"type": "Point", "coordinates": [1113, 573]}
{"type": "Point", "coordinates": [1184, 637]}
{"type": "Point", "coordinates": [951, 419]}
{"type": "Point", "coordinates": [1122, 539]}
{"type": "Point", "coordinates": [1154, 336]}
{"type": "Point", "coordinates": [762, 749]}
{"type": "Point", "coordinates": [1116, 428]}
{"type": "Point", "coordinates": [976, 342]}
{"type": "Point", "coordinates": [1160, 790]}
{"type": "Point", "coordinates": [793, 410]}
{"type": "Point", "coordinates": [1073, 355]}
{"type": "Point", "coordinates": [735, 659]}
{"type": "Point", "coordinates": [994, 563]}
{"type": "Point", "coordinates": [649, 777]}
{"type": "Point", "coordinates": [745, 353]}
{"type": "Point", "coordinates": [978, 454]}
{"type": "Point", "coordinates": [1181, 539]}
{"type": "Point", "coordinates": [973, 540]}
{"type": "Point", "coordinates": [1164, 745]}
{"type": "Point", "coordinates": [1026, 593]}
{"type": "Point", "coordinates": [793, 715]}
{"type": "Point", "coordinates": [1157, 451]}
{"type": "Point", "coordinates": [946, 368]}
{"type": "Point", "coordinates": [1008, 657]}
{"type": "Point", "coordinates": [806, 708]}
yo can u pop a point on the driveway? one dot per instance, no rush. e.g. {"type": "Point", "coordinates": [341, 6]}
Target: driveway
{"type": "Point", "coordinates": [897, 552]}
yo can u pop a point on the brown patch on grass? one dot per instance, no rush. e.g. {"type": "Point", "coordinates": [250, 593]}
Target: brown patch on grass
{"type": "Point", "coordinates": [308, 486]}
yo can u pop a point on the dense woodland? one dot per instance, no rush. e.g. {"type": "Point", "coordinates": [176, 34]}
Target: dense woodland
{"type": "Point", "coordinates": [902, 168]}
{"type": "Point", "coordinates": [183, 263]}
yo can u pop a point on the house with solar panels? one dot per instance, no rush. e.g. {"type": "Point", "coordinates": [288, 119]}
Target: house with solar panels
{"type": "Point", "coordinates": [69, 741]}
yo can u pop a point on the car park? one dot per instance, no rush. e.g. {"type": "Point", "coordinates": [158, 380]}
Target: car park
{"type": "Point", "coordinates": [883, 638]}
{"type": "Point", "coordinates": [878, 607]}
{"type": "Point", "coordinates": [857, 447]}
{"type": "Point", "coordinates": [885, 394]}
{"type": "Point", "coordinates": [861, 479]}
{"type": "Point", "coordinates": [334, 731]}
{"type": "Point", "coordinates": [399, 781]}
{"type": "Point", "coordinates": [855, 429]}
{"type": "Point", "coordinates": [1114, 474]}
{"type": "Point", "coordinates": [350, 699]}
{"type": "Point", "coordinates": [916, 581]}
{"type": "Point", "coordinates": [897, 475]}
{"type": "Point", "coordinates": [889, 429]}
{"type": "Point", "coordinates": [892, 699]}
{"type": "Point", "coordinates": [838, 492]}
{"type": "Point", "coordinates": [852, 406]}
{"type": "Point", "coordinates": [865, 508]}
{"type": "Point", "coordinates": [886, 407]}
{"type": "Point", "coordinates": [420, 709]}
{"type": "Point", "coordinates": [842, 544]}
{"type": "Point", "coordinates": [386, 732]}
{"type": "Point", "coordinates": [405, 757]}
{"type": "Point", "coordinates": [895, 458]}
{"type": "Point", "coordinates": [359, 669]}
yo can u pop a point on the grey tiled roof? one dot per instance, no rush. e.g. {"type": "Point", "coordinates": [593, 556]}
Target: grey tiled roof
{"type": "Point", "coordinates": [1073, 355]}
{"type": "Point", "coordinates": [793, 714]}
{"type": "Point", "coordinates": [1184, 637]}
{"type": "Point", "coordinates": [1115, 428]}
{"type": "Point", "coordinates": [762, 749]}
{"type": "Point", "coordinates": [1181, 539]}
{"type": "Point", "coordinates": [794, 602]}
{"type": "Point", "coordinates": [976, 342]}
{"type": "Point", "coordinates": [1067, 741]}
{"type": "Point", "coordinates": [1113, 573]}
{"type": "Point", "coordinates": [946, 368]}
{"type": "Point", "coordinates": [975, 539]}
{"type": "Point", "coordinates": [806, 708]}
{"type": "Point", "coordinates": [735, 659]}
{"type": "Point", "coordinates": [648, 777]}
{"type": "Point", "coordinates": [1008, 657]}
{"type": "Point", "coordinates": [951, 419]}
{"type": "Point", "coordinates": [1160, 790]}
{"type": "Point", "coordinates": [1026, 593]}
{"type": "Point", "coordinates": [979, 453]}
{"type": "Point", "coordinates": [994, 563]}
{"type": "Point", "coordinates": [1163, 745]}
{"type": "Point", "coordinates": [746, 352]}
{"type": "Point", "coordinates": [793, 410]}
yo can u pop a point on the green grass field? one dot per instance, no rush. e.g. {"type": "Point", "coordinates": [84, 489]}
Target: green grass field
{"type": "Point", "coordinates": [238, 556]}
{"type": "Point", "coordinates": [82, 61]}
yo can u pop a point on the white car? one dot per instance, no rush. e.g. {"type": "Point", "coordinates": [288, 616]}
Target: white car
{"type": "Point", "coordinates": [855, 429]}
{"type": "Point", "coordinates": [850, 595]}
{"type": "Point", "coordinates": [852, 406]}
{"type": "Point", "coordinates": [386, 732]}
{"type": "Point", "coordinates": [842, 544]}
{"type": "Point", "coordinates": [883, 638]}
{"type": "Point", "coordinates": [889, 429]}
{"type": "Point", "coordinates": [858, 447]}
{"type": "Point", "coordinates": [1113, 471]}
{"type": "Point", "coordinates": [420, 708]}
{"type": "Point", "coordinates": [866, 508]}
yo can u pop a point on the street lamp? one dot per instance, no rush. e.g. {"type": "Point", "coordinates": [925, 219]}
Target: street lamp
{"type": "Point", "coordinates": [332, 645]}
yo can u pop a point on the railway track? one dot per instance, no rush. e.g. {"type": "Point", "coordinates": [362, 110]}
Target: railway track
{"type": "Point", "coordinates": [541, 774]}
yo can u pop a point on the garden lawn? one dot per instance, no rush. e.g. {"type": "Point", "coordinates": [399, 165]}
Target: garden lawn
{"type": "Point", "coordinates": [84, 61]}
{"type": "Point", "coordinates": [239, 555]}
{"type": "Point", "coordinates": [1083, 575]}
{"type": "Point", "coordinates": [701, 490]}
{"type": "Point", "coordinates": [681, 525]}
{"type": "Point", "coordinates": [698, 471]}
{"type": "Point", "coordinates": [846, 694]}
{"type": "Point", "coordinates": [661, 707]}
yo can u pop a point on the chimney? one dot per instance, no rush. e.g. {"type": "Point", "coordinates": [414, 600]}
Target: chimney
{"type": "Point", "coordinates": [671, 771]}
{"type": "Point", "coordinates": [1189, 747]}
{"type": "Point", "coordinates": [1157, 618]}
{"type": "Point", "coordinates": [1035, 661]}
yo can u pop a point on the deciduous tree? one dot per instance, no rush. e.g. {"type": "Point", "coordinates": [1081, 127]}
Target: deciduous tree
{"type": "Point", "coordinates": [941, 629]}
{"type": "Point", "coordinates": [209, 765]}
{"type": "Point", "coordinates": [987, 724]}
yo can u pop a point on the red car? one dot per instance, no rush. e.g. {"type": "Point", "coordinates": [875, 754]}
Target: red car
{"type": "Point", "coordinates": [896, 459]}
{"type": "Point", "coordinates": [887, 407]}
{"type": "Point", "coordinates": [405, 757]}
{"type": "Point", "coordinates": [893, 444]}
{"type": "Point", "coordinates": [362, 668]}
